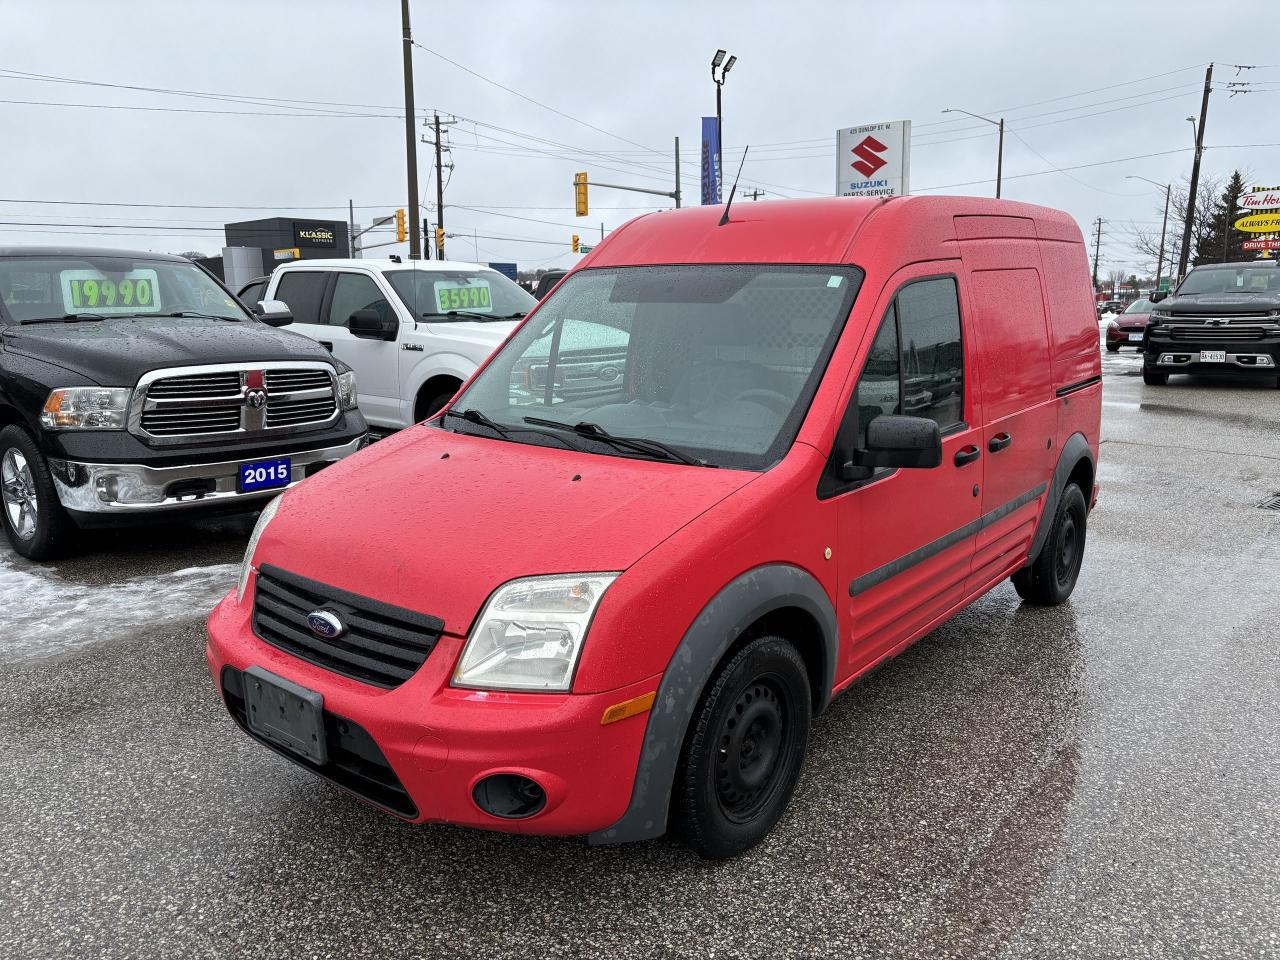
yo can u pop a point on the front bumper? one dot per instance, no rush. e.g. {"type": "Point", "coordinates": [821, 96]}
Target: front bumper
{"type": "Point", "coordinates": [127, 488]}
{"type": "Point", "coordinates": [1182, 347]}
{"type": "Point", "coordinates": [438, 742]}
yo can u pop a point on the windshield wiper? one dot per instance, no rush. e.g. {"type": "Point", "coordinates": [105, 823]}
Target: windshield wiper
{"type": "Point", "coordinates": [637, 444]}
{"type": "Point", "coordinates": [191, 313]}
{"type": "Point", "coordinates": [471, 315]}
{"type": "Point", "coordinates": [66, 318]}
{"type": "Point", "coordinates": [472, 415]}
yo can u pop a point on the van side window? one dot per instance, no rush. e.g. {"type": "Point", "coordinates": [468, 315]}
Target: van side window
{"type": "Point", "coordinates": [932, 351]}
{"type": "Point", "coordinates": [880, 388]}
{"type": "Point", "coordinates": [303, 290]}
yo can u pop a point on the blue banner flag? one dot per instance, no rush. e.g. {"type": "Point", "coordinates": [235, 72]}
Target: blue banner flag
{"type": "Point", "coordinates": [710, 160]}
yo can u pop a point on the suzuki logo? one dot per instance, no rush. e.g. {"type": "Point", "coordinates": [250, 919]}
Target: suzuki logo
{"type": "Point", "coordinates": [868, 154]}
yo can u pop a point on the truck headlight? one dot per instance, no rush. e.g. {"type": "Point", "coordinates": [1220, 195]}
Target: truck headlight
{"type": "Point", "coordinates": [87, 408]}
{"type": "Point", "coordinates": [529, 635]}
{"type": "Point", "coordinates": [267, 515]}
{"type": "Point", "coordinates": [347, 399]}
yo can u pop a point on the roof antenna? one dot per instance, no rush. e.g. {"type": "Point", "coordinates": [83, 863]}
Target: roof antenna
{"type": "Point", "coordinates": [724, 218]}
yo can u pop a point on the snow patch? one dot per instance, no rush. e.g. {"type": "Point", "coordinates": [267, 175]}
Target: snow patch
{"type": "Point", "coordinates": [42, 613]}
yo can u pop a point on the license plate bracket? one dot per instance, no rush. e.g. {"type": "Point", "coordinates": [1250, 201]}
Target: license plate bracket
{"type": "Point", "coordinates": [1213, 356]}
{"type": "Point", "coordinates": [286, 714]}
{"type": "Point", "coordinates": [264, 475]}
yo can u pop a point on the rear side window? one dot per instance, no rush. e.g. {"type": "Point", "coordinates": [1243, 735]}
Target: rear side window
{"type": "Point", "coordinates": [916, 364]}
{"type": "Point", "coordinates": [303, 290]}
{"type": "Point", "coordinates": [253, 292]}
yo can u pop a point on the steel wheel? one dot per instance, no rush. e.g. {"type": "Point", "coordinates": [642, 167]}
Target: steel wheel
{"type": "Point", "coordinates": [751, 743]}
{"type": "Point", "coordinates": [18, 489]}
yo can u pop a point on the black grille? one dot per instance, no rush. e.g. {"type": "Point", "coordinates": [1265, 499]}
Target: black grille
{"type": "Point", "coordinates": [383, 645]}
{"type": "Point", "coordinates": [287, 413]}
{"type": "Point", "coordinates": [192, 420]}
{"type": "Point", "coordinates": [355, 761]}
{"type": "Point", "coordinates": [287, 381]}
{"type": "Point", "coordinates": [196, 385]}
{"type": "Point", "coordinates": [1209, 334]}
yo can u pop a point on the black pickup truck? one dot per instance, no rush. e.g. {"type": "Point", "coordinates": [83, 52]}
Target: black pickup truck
{"type": "Point", "coordinates": [134, 385]}
{"type": "Point", "coordinates": [1222, 318]}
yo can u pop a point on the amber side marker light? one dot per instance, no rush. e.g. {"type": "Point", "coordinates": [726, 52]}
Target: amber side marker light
{"type": "Point", "coordinates": [628, 708]}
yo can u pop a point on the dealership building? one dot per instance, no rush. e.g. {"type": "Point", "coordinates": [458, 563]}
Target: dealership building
{"type": "Point", "coordinates": [254, 247]}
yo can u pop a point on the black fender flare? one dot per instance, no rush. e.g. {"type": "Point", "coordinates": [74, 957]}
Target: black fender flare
{"type": "Point", "coordinates": [742, 602]}
{"type": "Point", "coordinates": [1073, 451]}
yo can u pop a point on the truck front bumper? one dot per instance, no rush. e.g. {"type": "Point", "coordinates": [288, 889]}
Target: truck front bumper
{"type": "Point", "coordinates": [129, 488]}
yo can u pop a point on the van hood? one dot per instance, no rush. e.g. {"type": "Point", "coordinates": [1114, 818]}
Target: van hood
{"type": "Point", "coordinates": [435, 521]}
{"type": "Point", "coordinates": [118, 351]}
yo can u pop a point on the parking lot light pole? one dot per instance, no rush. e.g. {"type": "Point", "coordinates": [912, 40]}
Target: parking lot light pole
{"type": "Point", "coordinates": [728, 65]}
{"type": "Point", "coordinates": [999, 149]}
{"type": "Point", "coordinates": [1164, 225]}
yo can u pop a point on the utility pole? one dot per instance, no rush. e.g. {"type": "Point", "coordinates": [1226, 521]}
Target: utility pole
{"type": "Point", "coordinates": [1195, 176]}
{"type": "Point", "coordinates": [755, 193]}
{"type": "Point", "coordinates": [1097, 248]}
{"type": "Point", "coordinates": [1164, 227]}
{"type": "Point", "coordinates": [1000, 160]}
{"type": "Point", "coordinates": [676, 193]}
{"type": "Point", "coordinates": [410, 134]}
{"type": "Point", "coordinates": [439, 191]}
{"type": "Point", "coordinates": [351, 228]}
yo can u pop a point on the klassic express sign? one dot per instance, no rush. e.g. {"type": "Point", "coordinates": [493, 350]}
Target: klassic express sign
{"type": "Point", "coordinates": [314, 235]}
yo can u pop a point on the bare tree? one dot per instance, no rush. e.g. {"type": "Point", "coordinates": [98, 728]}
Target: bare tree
{"type": "Point", "coordinates": [1146, 238]}
{"type": "Point", "coordinates": [1117, 278]}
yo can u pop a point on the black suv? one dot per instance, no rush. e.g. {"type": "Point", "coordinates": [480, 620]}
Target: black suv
{"type": "Point", "coordinates": [134, 385]}
{"type": "Point", "coordinates": [1223, 317]}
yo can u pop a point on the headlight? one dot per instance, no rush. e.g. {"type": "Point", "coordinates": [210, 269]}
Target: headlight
{"type": "Point", "coordinates": [268, 513]}
{"type": "Point", "coordinates": [347, 390]}
{"type": "Point", "coordinates": [87, 408]}
{"type": "Point", "coordinates": [530, 633]}
{"type": "Point", "coordinates": [1112, 325]}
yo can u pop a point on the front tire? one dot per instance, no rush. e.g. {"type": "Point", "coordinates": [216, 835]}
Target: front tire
{"type": "Point", "coordinates": [1051, 577]}
{"type": "Point", "coordinates": [1153, 377]}
{"type": "Point", "coordinates": [1113, 348]}
{"type": "Point", "coordinates": [744, 750]}
{"type": "Point", "coordinates": [33, 519]}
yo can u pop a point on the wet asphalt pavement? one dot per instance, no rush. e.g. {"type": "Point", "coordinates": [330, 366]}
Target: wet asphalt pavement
{"type": "Point", "coordinates": [1097, 780]}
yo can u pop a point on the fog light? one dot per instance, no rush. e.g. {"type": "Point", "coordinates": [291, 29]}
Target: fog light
{"type": "Point", "coordinates": [509, 796]}
{"type": "Point", "coordinates": [1166, 358]}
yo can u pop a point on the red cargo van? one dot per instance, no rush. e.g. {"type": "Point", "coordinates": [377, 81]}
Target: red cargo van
{"type": "Point", "coordinates": [829, 426]}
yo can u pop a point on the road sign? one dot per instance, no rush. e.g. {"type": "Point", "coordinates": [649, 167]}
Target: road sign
{"type": "Point", "coordinates": [506, 269]}
{"type": "Point", "coordinates": [1259, 223]}
{"type": "Point", "coordinates": [874, 160]}
{"type": "Point", "coordinates": [585, 247]}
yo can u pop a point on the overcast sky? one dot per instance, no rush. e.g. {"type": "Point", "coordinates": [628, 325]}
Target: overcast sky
{"type": "Point", "coordinates": [633, 75]}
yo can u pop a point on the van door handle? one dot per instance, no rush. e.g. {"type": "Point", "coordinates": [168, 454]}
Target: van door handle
{"type": "Point", "coordinates": [327, 344]}
{"type": "Point", "coordinates": [967, 455]}
{"type": "Point", "coordinates": [999, 442]}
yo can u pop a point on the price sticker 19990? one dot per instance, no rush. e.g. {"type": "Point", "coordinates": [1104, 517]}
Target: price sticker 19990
{"type": "Point", "coordinates": [95, 292]}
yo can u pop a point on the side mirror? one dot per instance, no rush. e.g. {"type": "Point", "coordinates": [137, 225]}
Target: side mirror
{"type": "Point", "coordinates": [1158, 295]}
{"type": "Point", "coordinates": [369, 325]}
{"type": "Point", "coordinates": [274, 313]}
{"type": "Point", "coordinates": [894, 441]}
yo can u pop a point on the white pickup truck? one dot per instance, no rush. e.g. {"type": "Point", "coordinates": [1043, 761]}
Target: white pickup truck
{"type": "Point", "coordinates": [413, 332]}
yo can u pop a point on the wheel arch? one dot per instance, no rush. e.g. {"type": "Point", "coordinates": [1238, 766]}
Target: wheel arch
{"type": "Point", "coordinates": [767, 599]}
{"type": "Point", "coordinates": [1075, 464]}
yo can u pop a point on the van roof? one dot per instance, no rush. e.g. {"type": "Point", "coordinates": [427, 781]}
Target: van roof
{"type": "Point", "coordinates": [820, 230]}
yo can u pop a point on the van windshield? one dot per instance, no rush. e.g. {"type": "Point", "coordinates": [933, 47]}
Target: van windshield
{"type": "Point", "coordinates": [717, 363]}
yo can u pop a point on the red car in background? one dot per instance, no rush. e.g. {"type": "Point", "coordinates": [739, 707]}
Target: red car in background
{"type": "Point", "coordinates": [1128, 329]}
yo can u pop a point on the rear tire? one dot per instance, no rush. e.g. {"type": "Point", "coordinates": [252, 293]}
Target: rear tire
{"type": "Point", "coordinates": [30, 512]}
{"type": "Point", "coordinates": [1051, 577]}
{"type": "Point", "coordinates": [744, 750]}
{"type": "Point", "coordinates": [1153, 377]}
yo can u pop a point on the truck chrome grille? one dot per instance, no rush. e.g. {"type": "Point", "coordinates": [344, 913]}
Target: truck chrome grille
{"type": "Point", "coordinates": [244, 399]}
{"type": "Point", "coordinates": [1208, 334]}
{"type": "Point", "coordinates": [381, 645]}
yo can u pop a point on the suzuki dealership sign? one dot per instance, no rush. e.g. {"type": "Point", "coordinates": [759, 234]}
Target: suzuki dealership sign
{"type": "Point", "coordinates": [710, 160]}
{"type": "Point", "coordinates": [874, 160]}
{"type": "Point", "coordinates": [1260, 198]}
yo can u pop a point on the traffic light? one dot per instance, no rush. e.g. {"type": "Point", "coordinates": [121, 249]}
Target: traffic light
{"type": "Point", "coordinates": [440, 243]}
{"type": "Point", "coordinates": [576, 245]}
{"type": "Point", "coordinates": [402, 234]}
{"type": "Point", "coordinates": [580, 194]}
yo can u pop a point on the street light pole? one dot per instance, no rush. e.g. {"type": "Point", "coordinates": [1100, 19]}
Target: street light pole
{"type": "Point", "coordinates": [999, 149]}
{"type": "Point", "coordinates": [728, 65]}
{"type": "Point", "coordinates": [1164, 224]}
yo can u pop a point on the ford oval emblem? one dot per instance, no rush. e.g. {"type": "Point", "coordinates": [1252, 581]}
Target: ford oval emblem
{"type": "Point", "coordinates": [325, 624]}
